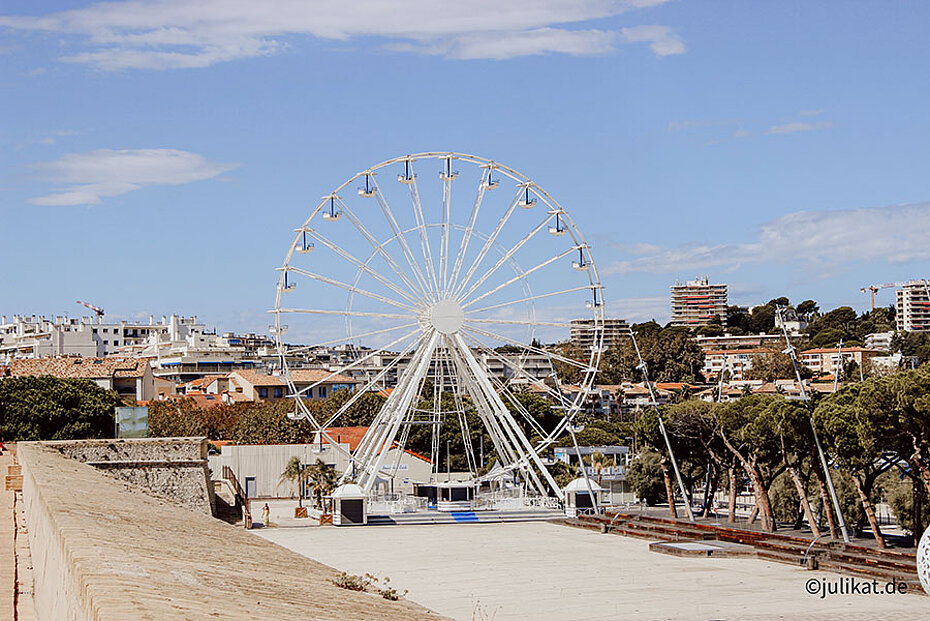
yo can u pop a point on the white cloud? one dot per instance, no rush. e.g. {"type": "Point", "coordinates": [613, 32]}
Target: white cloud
{"type": "Point", "coordinates": [662, 40]}
{"type": "Point", "coordinates": [167, 34]}
{"type": "Point", "coordinates": [895, 234]}
{"type": "Point", "coordinates": [526, 43]}
{"type": "Point", "coordinates": [91, 177]}
{"type": "Point", "coordinates": [798, 126]}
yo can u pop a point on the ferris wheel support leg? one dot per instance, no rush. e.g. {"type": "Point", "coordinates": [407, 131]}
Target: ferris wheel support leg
{"type": "Point", "coordinates": [485, 413]}
{"type": "Point", "coordinates": [378, 450]}
{"type": "Point", "coordinates": [510, 425]}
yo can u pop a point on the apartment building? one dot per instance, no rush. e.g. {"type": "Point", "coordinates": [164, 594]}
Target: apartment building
{"type": "Point", "coordinates": [735, 362]}
{"type": "Point", "coordinates": [733, 341]}
{"type": "Point", "coordinates": [879, 340]}
{"type": "Point", "coordinates": [35, 336]}
{"type": "Point", "coordinates": [584, 332]}
{"type": "Point", "coordinates": [697, 303]}
{"type": "Point", "coordinates": [913, 306]}
{"type": "Point", "coordinates": [825, 361]}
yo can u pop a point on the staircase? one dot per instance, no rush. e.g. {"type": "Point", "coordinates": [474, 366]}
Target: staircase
{"type": "Point", "coordinates": [860, 561]}
{"type": "Point", "coordinates": [464, 517]}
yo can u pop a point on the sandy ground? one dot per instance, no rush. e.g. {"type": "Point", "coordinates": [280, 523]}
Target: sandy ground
{"type": "Point", "coordinates": [537, 570]}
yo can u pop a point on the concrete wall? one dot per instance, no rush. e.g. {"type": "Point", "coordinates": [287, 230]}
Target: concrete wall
{"type": "Point", "coordinates": [266, 462]}
{"type": "Point", "coordinates": [104, 550]}
{"type": "Point", "coordinates": [173, 468]}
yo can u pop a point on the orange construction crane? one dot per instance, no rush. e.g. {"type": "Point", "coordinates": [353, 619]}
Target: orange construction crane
{"type": "Point", "coordinates": [97, 310]}
{"type": "Point", "coordinates": [873, 289]}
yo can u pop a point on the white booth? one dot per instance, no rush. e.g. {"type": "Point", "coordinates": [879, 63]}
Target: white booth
{"type": "Point", "coordinates": [350, 505]}
{"type": "Point", "coordinates": [578, 496]}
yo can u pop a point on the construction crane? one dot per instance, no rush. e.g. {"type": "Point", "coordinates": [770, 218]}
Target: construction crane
{"type": "Point", "coordinates": [873, 289]}
{"type": "Point", "coordinates": [97, 310]}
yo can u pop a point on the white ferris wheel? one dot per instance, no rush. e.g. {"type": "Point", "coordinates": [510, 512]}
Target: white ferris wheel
{"type": "Point", "coordinates": [436, 279]}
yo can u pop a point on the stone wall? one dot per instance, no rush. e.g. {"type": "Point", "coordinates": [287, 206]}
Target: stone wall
{"type": "Point", "coordinates": [107, 550]}
{"type": "Point", "coordinates": [172, 468]}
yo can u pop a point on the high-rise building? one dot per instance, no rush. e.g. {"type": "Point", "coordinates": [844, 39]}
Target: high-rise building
{"type": "Point", "coordinates": [913, 306]}
{"type": "Point", "coordinates": [583, 333]}
{"type": "Point", "coordinates": [697, 302]}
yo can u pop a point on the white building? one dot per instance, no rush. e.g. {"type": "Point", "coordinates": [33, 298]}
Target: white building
{"type": "Point", "coordinates": [37, 336]}
{"type": "Point", "coordinates": [880, 341]}
{"type": "Point", "coordinates": [697, 302]}
{"type": "Point", "coordinates": [583, 332]}
{"type": "Point", "coordinates": [913, 306]}
{"type": "Point", "coordinates": [734, 361]}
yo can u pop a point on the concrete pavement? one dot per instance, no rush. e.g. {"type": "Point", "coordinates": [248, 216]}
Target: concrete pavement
{"type": "Point", "coordinates": [546, 571]}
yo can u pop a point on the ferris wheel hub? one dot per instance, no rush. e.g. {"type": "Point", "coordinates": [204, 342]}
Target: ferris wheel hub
{"type": "Point", "coordinates": [447, 316]}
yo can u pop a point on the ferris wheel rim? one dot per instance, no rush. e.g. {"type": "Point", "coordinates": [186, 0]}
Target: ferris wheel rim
{"type": "Point", "coordinates": [571, 409]}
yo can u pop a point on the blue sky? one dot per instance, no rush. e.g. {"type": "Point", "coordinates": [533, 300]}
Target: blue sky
{"type": "Point", "coordinates": [156, 155]}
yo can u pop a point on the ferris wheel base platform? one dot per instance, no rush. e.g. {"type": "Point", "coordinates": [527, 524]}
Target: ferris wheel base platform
{"type": "Point", "coordinates": [465, 517]}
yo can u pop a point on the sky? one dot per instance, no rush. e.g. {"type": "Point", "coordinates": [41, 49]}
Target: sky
{"type": "Point", "coordinates": [156, 155]}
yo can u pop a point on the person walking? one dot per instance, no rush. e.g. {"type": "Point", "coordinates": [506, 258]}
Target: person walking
{"type": "Point", "coordinates": [266, 516]}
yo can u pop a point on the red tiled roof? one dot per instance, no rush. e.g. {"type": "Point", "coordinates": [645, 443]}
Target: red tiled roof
{"type": "Point", "coordinates": [81, 368]}
{"type": "Point", "coordinates": [353, 436]}
{"type": "Point", "coordinates": [258, 379]}
{"type": "Point", "coordinates": [311, 376]}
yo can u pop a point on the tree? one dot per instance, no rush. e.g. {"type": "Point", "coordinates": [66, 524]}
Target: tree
{"type": "Point", "coordinates": [762, 319]}
{"type": "Point", "coordinates": [840, 418]}
{"type": "Point", "coordinates": [749, 431]}
{"type": "Point", "coordinates": [807, 310]}
{"type": "Point", "coordinates": [51, 408]}
{"type": "Point", "coordinates": [770, 366]}
{"type": "Point", "coordinates": [670, 355]}
{"type": "Point", "coordinates": [322, 479]}
{"type": "Point", "coordinates": [644, 475]}
{"type": "Point", "coordinates": [295, 472]}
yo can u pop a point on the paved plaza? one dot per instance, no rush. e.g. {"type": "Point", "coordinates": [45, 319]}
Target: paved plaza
{"type": "Point", "coordinates": [546, 571]}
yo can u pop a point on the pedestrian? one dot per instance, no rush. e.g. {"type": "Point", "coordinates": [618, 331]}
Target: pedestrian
{"type": "Point", "coordinates": [266, 515]}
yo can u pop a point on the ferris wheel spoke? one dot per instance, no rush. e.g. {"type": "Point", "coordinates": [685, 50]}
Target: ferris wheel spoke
{"type": "Point", "coordinates": [520, 444]}
{"type": "Point", "coordinates": [359, 392]}
{"type": "Point", "coordinates": [529, 299]}
{"type": "Point", "coordinates": [469, 229]}
{"type": "Point", "coordinates": [506, 257]}
{"type": "Point", "coordinates": [379, 249]}
{"type": "Point", "coordinates": [488, 243]}
{"type": "Point", "coordinates": [402, 239]}
{"type": "Point", "coordinates": [522, 372]}
{"type": "Point", "coordinates": [421, 227]}
{"type": "Point", "coordinates": [447, 178]}
{"type": "Point", "coordinates": [521, 275]}
{"type": "Point", "coordinates": [350, 288]}
{"type": "Point", "coordinates": [520, 322]}
{"type": "Point", "coordinates": [510, 341]}
{"type": "Point", "coordinates": [355, 364]}
{"type": "Point", "coordinates": [349, 313]}
{"type": "Point", "coordinates": [362, 266]}
{"type": "Point", "coordinates": [351, 337]}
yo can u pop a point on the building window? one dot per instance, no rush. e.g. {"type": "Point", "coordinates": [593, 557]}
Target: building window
{"type": "Point", "coordinates": [263, 393]}
{"type": "Point", "coordinates": [278, 393]}
{"type": "Point", "coordinates": [322, 392]}
{"type": "Point", "coordinates": [116, 342]}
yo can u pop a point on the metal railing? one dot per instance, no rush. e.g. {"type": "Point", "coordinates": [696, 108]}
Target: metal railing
{"type": "Point", "coordinates": [241, 496]}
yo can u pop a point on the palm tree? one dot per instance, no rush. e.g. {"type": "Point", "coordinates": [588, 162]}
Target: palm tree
{"type": "Point", "coordinates": [295, 472]}
{"type": "Point", "coordinates": [322, 478]}
{"type": "Point", "coordinates": [598, 461]}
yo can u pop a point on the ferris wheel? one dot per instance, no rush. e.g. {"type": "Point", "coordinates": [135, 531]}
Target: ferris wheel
{"type": "Point", "coordinates": [436, 279]}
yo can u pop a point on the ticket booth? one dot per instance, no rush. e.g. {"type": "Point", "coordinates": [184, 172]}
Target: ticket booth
{"type": "Point", "coordinates": [350, 505]}
{"type": "Point", "coordinates": [578, 496]}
